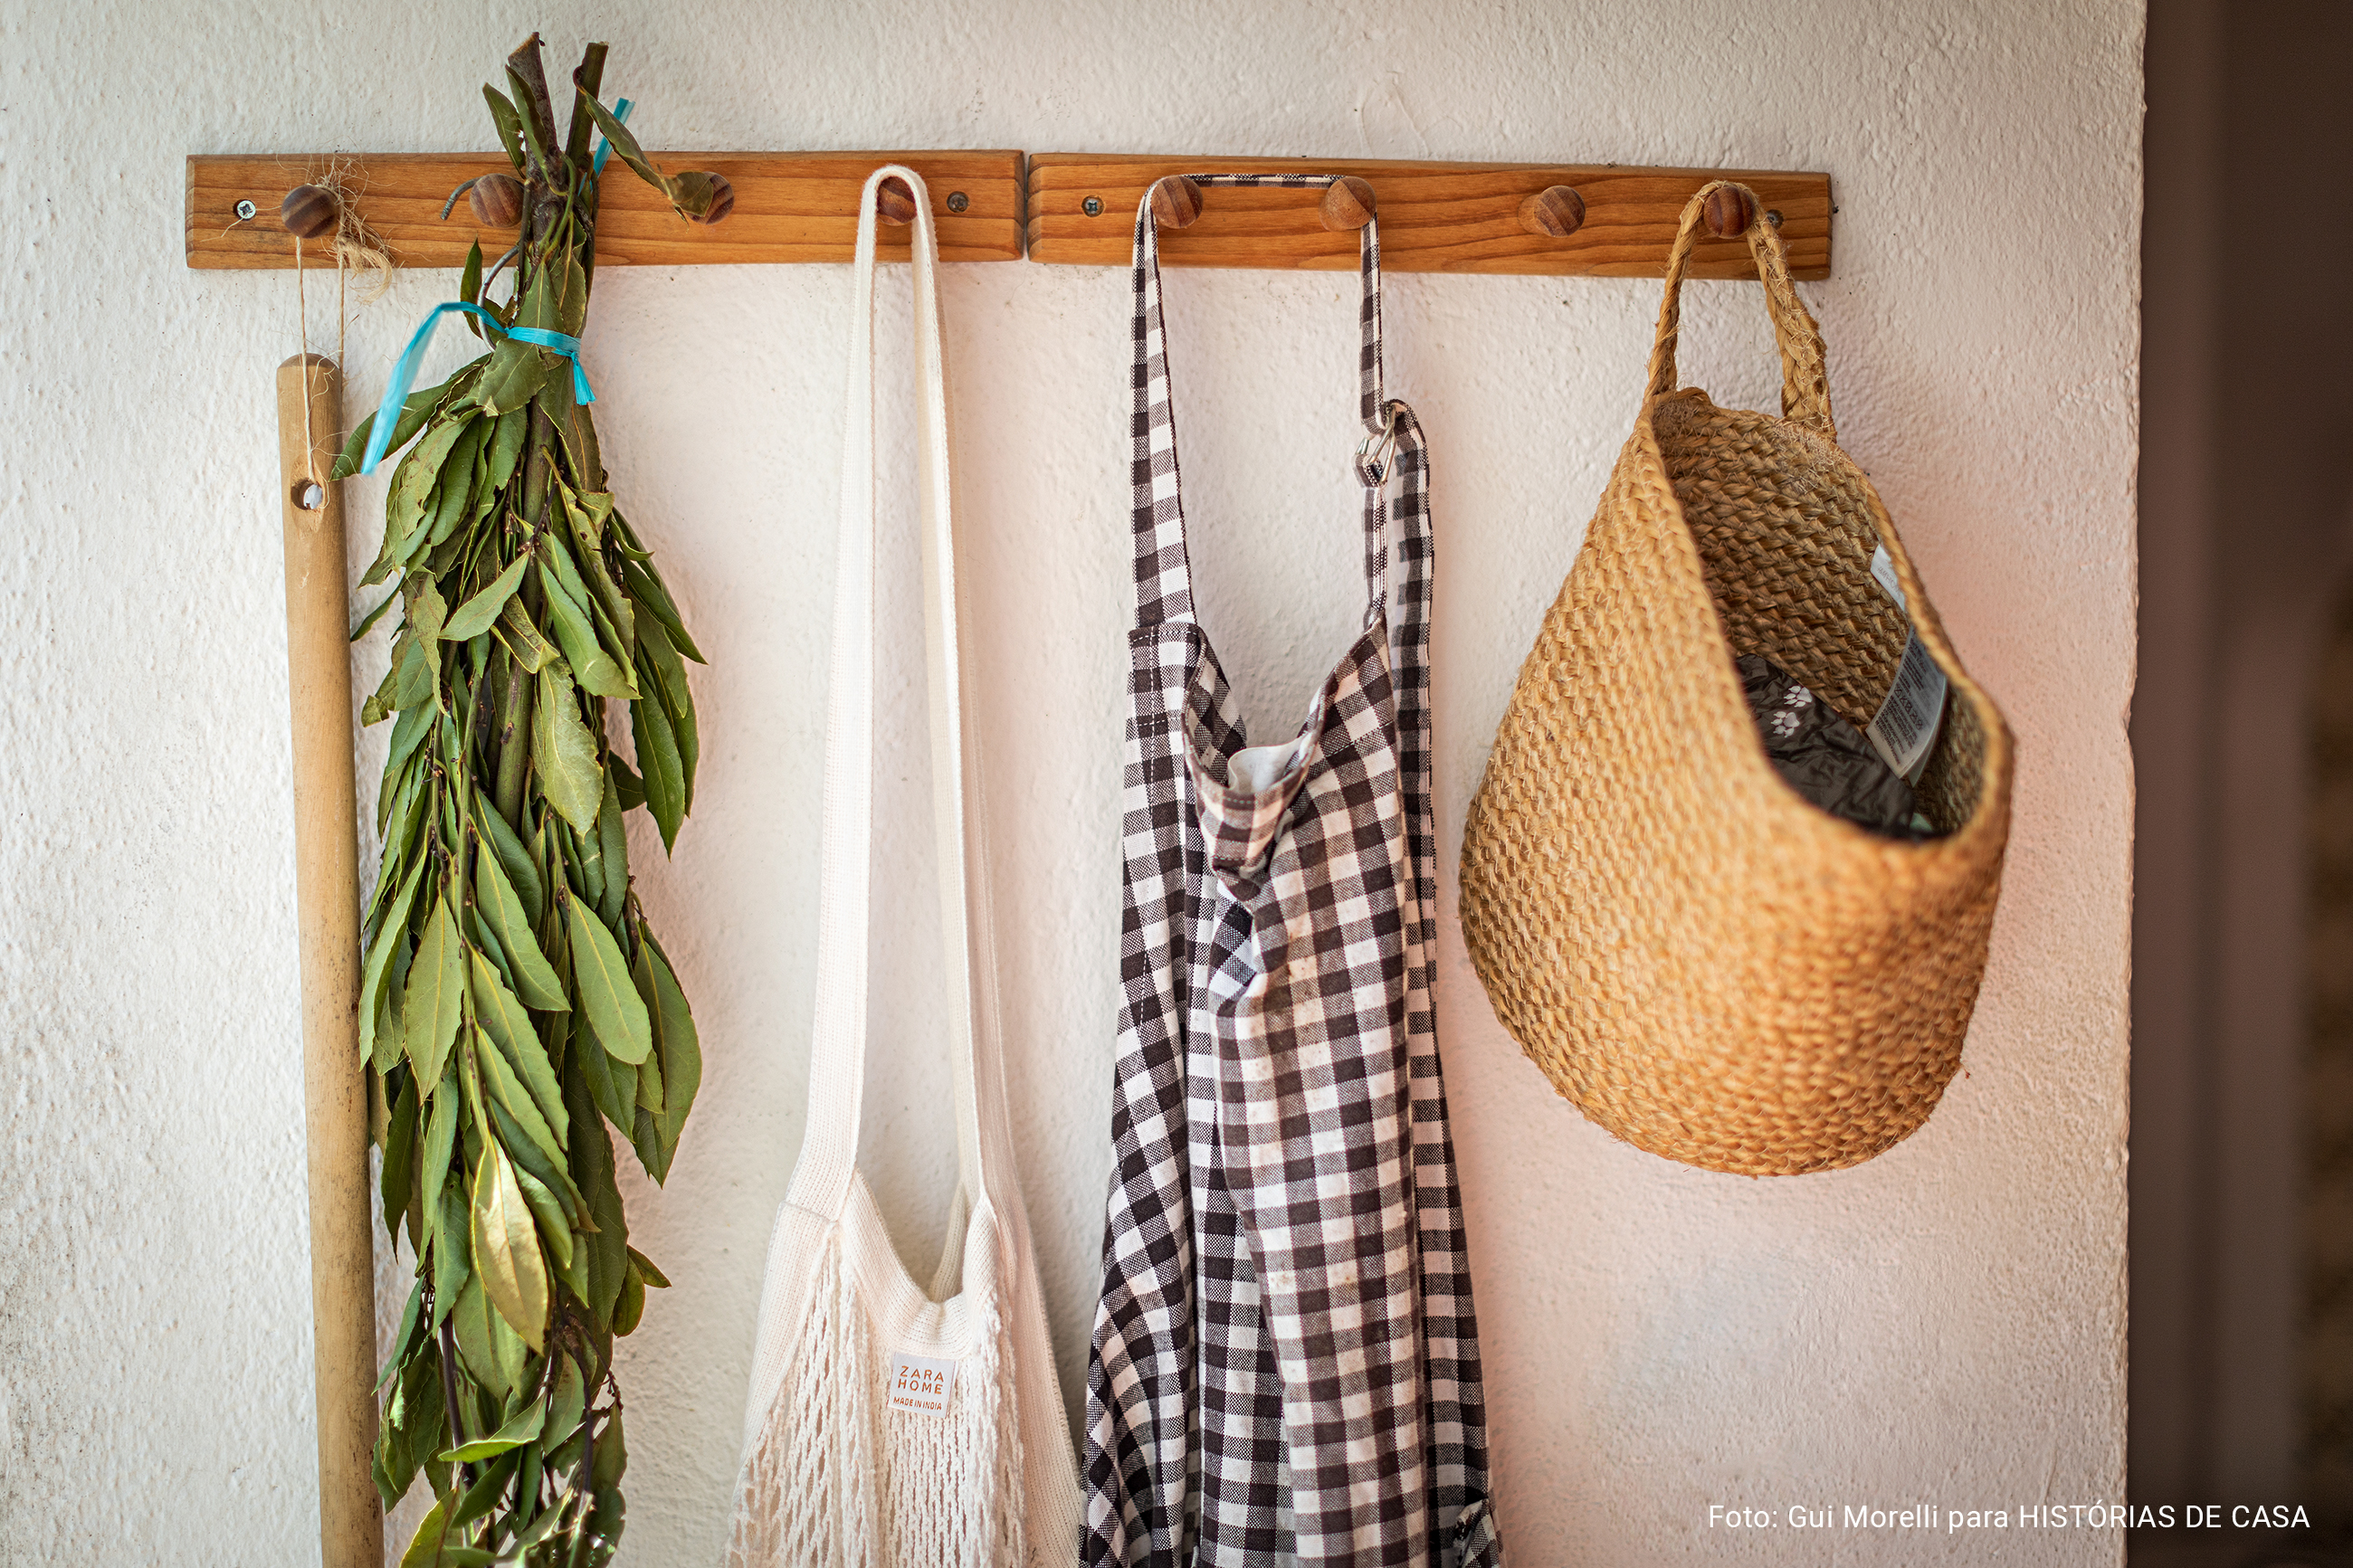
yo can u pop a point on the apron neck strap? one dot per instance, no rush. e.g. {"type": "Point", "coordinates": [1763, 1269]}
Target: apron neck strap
{"type": "Point", "coordinates": [1163, 574]}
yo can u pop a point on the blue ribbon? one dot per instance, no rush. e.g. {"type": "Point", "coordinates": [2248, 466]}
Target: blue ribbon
{"type": "Point", "coordinates": [403, 371]}
{"type": "Point", "coordinates": [604, 148]}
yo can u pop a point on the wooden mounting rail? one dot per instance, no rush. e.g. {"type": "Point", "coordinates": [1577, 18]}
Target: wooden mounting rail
{"type": "Point", "coordinates": [1434, 217]}
{"type": "Point", "coordinates": [789, 206]}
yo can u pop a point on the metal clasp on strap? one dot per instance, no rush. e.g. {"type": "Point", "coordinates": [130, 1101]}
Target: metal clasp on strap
{"type": "Point", "coordinates": [1373, 453]}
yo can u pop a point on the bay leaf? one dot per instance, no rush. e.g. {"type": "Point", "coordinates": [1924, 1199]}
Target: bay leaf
{"type": "Point", "coordinates": [564, 1410]}
{"type": "Point", "coordinates": [627, 1313]}
{"type": "Point", "coordinates": [576, 632]}
{"type": "Point", "coordinates": [644, 1137]}
{"type": "Point", "coordinates": [627, 786]}
{"type": "Point", "coordinates": [506, 446]}
{"type": "Point", "coordinates": [399, 1168]}
{"type": "Point", "coordinates": [440, 1114]}
{"type": "Point", "coordinates": [566, 753]}
{"type": "Point", "coordinates": [407, 734]}
{"type": "Point", "coordinates": [617, 135]}
{"type": "Point", "coordinates": [523, 640]}
{"type": "Point", "coordinates": [612, 1453]}
{"type": "Point", "coordinates": [606, 993]}
{"type": "Point", "coordinates": [650, 1084]}
{"type": "Point", "coordinates": [489, 1483]}
{"type": "Point", "coordinates": [596, 1076]}
{"type": "Point", "coordinates": [475, 1324]}
{"type": "Point", "coordinates": [665, 778]}
{"type": "Point", "coordinates": [521, 874]}
{"type": "Point", "coordinates": [506, 1249]}
{"type": "Point", "coordinates": [592, 1162]}
{"type": "Point", "coordinates": [437, 981]}
{"type": "Point", "coordinates": [379, 957]}
{"type": "Point", "coordinates": [520, 1428]}
{"type": "Point", "coordinates": [413, 483]}
{"type": "Point", "coordinates": [535, 979]}
{"type": "Point", "coordinates": [425, 1546]}
{"type": "Point", "coordinates": [509, 1027]}
{"type": "Point", "coordinates": [476, 615]}
{"type": "Point", "coordinates": [678, 1042]}
{"type": "Point", "coordinates": [554, 1224]}
{"type": "Point", "coordinates": [651, 596]}
{"type": "Point", "coordinates": [389, 1034]}
{"type": "Point", "coordinates": [582, 859]}
{"type": "Point", "coordinates": [530, 1156]}
{"type": "Point", "coordinates": [452, 1247]}
{"type": "Point", "coordinates": [510, 128]}
{"type": "Point", "coordinates": [613, 842]}
{"type": "Point", "coordinates": [426, 610]}
{"type": "Point", "coordinates": [413, 678]}
{"type": "Point", "coordinates": [514, 376]}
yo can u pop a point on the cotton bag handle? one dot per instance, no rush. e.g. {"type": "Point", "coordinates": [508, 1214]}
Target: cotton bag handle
{"type": "Point", "coordinates": [838, 1044]}
{"type": "Point", "coordinates": [1805, 386]}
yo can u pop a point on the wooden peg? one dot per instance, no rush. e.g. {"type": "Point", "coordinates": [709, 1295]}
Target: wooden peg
{"type": "Point", "coordinates": [308, 211]}
{"type": "Point", "coordinates": [893, 202]}
{"type": "Point", "coordinates": [722, 200]}
{"type": "Point", "coordinates": [1175, 202]}
{"type": "Point", "coordinates": [1348, 205]}
{"type": "Point", "coordinates": [1556, 211]}
{"type": "Point", "coordinates": [1728, 211]}
{"type": "Point", "coordinates": [496, 200]}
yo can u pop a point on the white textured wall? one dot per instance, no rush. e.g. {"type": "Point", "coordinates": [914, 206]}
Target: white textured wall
{"type": "Point", "coordinates": [1946, 1323]}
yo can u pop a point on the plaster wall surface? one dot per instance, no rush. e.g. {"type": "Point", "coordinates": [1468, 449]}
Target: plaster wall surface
{"type": "Point", "coordinates": [1943, 1325]}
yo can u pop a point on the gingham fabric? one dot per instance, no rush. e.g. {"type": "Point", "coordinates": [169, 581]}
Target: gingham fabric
{"type": "Point", "coordinates": [1285, 1364]}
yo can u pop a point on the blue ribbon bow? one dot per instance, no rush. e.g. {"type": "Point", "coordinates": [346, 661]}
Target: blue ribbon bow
{"type": "Point", "coordinates": [403, 371]}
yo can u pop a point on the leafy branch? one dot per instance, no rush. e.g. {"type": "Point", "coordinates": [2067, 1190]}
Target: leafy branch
{"type": "Point", "coordinates": [514, 1003]}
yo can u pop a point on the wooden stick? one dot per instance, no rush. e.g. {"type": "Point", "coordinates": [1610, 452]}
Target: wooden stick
{"type": "Point", "coordinates": [327, 904]}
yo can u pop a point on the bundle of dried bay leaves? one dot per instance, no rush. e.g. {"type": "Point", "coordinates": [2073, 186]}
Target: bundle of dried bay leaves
{"type": "Point", "coordinates": [512, 997]}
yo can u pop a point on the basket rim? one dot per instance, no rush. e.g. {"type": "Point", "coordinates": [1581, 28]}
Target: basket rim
{"type": "Point", "coordinates": [1989, 818]}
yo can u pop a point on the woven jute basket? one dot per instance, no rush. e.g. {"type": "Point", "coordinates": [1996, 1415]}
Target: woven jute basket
{"type": "Point", "coordinates": [1708, 965]}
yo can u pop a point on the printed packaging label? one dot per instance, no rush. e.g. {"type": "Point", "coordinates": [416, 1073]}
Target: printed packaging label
{"type": "Point", "coordinates": [1906, 723]}
{"type": "Point", "coordinates": [921, 1384]}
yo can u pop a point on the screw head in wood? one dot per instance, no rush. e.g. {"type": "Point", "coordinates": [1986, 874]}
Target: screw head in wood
{"type": "Point", "coordinates": [893, 202]}
{"type": "Point", "coordinates": [308, 211]}
{"type": "Point", "coordinates": [722, 198]}
{"type": "Point", "coordinates": [496, 201]}
{"type": "Point", "coordinates": [958, 201]}
{"type": "Point", "coordinates": [1773, 216]}
{"type": "Point", "coordinates": [1175, 202]}
{"type": "Point", "coordinates": [1556, 211]}
{"type": "Point", "coordinates": [308, 495]}
{"type": "Point", "coordinates": [1348, 205]}
{"type": "Point", "coordinates": [244, 211]}
{"type": "Point", "coordinates": [1092, 206]}
{"type": "Point", "coordinates": [1729, 211]}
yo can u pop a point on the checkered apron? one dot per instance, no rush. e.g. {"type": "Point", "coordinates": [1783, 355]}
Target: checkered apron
{"type": "Point", "coordinates": [1286, 1364]}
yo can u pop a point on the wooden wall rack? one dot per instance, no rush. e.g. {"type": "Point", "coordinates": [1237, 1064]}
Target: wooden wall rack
{"type": "Point", "coordinates": [1434, 217]}
{"type": "Point", "coordinates": [1070, 207]}
{"type": "Point", "coordinates": [789, 206]}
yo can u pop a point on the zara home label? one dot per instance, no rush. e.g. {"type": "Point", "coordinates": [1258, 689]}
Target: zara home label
{"type": "Point", "coordinates": [920, 1384]}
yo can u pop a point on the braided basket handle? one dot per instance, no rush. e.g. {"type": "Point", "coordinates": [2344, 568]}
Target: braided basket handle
{"type": "Point", "coordinates": [1804, 387]}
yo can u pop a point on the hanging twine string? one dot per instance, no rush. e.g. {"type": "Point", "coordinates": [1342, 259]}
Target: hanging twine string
{"type": "Point", "coordinates": [354, 246]}
{"type": "Point", "coordinates": [302, 331]}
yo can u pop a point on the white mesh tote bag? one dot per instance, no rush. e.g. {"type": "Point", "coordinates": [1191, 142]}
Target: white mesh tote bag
{"type": "Point", "coordinates": [889, 1426]}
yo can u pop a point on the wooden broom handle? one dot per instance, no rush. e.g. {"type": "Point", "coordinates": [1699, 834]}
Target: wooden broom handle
{"type": "Point", "coordinates": [327, 906]}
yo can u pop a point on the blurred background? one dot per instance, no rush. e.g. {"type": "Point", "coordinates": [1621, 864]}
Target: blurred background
{"type": "Point", "coordinates": [2241, 1174]}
